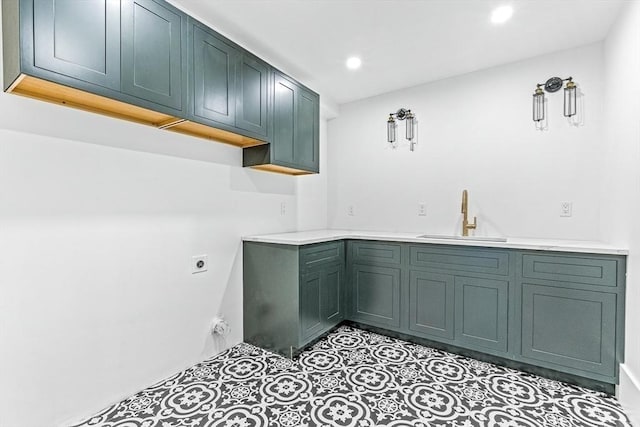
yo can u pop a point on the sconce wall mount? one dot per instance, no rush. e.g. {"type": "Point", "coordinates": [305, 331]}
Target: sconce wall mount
{"type": "Point", "coordinates": [553, 85]}
{"type": "Point", "coordinates": [410, 118]}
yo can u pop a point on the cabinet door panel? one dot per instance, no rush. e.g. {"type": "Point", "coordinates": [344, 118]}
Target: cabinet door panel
{"type": "Point", "coordinates": [332, 291]}
{"type": "Point", "coordinates": [306, 148]}
{"type": "Point", "coordinates": [283, 120]}
{"type": "Point", "coordinates": [569, 327]}
{"type": "Point", "coordinates": [214, 84]}
{"type": "Point", "coordinates": [80, 39]}
{"type": "Point", "coordinates": [251, 103]}
{"type": "Point", "coordinates": [152, 53]}
{"type": "Point", "coordinates": [431, 299]}
{"type": "Point", "coordinates": [311, 319]}
{"type": "Point", "coordinates": [482, 313]}
{"type": "Point", "coordinates": [376, 295]}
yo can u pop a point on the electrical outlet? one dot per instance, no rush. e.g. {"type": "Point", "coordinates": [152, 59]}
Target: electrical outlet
{"type": "Point", "coordinates": [422, 209]}
{"type": "Point", "coordinates": [351, 210]}
{"type": "Point", "coordinates": [566, 209]}
{"type": "Point", "coordinates": [199, 264]}
{"type": "Point", "coordinates": [283, 208]}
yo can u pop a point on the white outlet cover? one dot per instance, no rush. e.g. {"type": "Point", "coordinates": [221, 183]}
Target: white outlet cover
{"type": "Point", "coordinates": [199, 264]}
{"type": "Point", "coordinates": [566, 209]}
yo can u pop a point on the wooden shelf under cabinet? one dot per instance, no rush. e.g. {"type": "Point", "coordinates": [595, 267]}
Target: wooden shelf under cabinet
{"type": "Point", "coordinates": [45, 90]}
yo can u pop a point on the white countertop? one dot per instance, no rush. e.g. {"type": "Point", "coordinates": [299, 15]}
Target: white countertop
{"type": "Point", "coordinates": [317, 236]}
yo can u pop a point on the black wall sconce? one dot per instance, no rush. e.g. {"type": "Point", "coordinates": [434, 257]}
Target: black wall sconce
{"type": "Point", "coordinates": [550, 86]}
{"type": "Point", "coordinates": [410, 125]}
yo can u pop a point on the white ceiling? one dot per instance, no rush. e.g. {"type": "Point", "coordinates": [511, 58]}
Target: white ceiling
{"type": "Point", "coordinates": [402, 43]}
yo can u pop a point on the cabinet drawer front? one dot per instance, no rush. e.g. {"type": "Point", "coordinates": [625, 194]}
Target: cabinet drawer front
{"type": "Point", "coordinates": [313, 255]}
{"type": "Point", "coordinates": [371, 252]}
{"type": "Point", "coordinates": [465, 260]}
{"type": "Point", "coordinates": [569, 328]}
{"type": "Point", "coordinates": [573, 269]}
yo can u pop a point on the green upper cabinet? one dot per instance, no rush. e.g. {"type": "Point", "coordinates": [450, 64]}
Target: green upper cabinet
{"type": "Point", "coordinates": [284, 120]}
{"type": "Point", "coordinates": [307, 130]}
{"type": "Point", "coordinates": [154, 52]}
{"type": "Point", "coordinates": [212, 78]}
{"type": "Point", "coordinates": [78, 38]}
{"type": "Point", "coordinates": [252, 95]}
{"type": "Point", "coordinates": [148, 62]}
{"type": "Point", "coordinates": [296, 131]}
{"type": "Point", "coordinates": [228, 88]}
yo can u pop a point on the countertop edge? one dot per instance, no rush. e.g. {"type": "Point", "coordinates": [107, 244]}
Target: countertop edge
{"type": "Point", "coordinates": [332, 235]}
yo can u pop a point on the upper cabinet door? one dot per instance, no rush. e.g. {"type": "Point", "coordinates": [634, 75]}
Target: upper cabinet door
{"type": "Point", "coordinates": [153, 52]}
{"type": "Point", "coordinates": [307, 130]}
{"type": "Point", "coordinates": [284, 135]}
{"type": "Point", "coordinates": [213, 76]}
{"type": "Point", "coordinates": [251, 103]}
{"type": "Point", "coordinates": [79, 39]}
{"type": "Point", "coordinates": [295, 125]}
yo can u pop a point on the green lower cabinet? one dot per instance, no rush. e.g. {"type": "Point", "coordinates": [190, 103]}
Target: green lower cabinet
{"type": "Point", "coordinates": [431, 304]}
{"type": "Point", "coordinates": [375, 295]}
{"type": "Point", "coordinates": [569, 329]}
{"type": "Point", "coordinates": [558, 313]}
{"type": "Point", "coordinates": [482, 311]}
{"type": "Point", "coordinates": [291, 294]}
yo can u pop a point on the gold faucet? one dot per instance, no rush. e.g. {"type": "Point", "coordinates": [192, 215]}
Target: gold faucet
{"type": "Point", "coordinates": [466, 226]}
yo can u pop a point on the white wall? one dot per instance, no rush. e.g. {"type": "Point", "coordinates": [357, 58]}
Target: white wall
{"type": "Point", "coordinates": [621, 183]}
{"type": "Point", "coordinates": [475, 132]}
{"type": "Point", "coordinates": [97, 300]}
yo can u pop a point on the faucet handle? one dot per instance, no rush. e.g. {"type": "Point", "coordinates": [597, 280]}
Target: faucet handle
{"type": "Point", "coordinates": [473, 225]}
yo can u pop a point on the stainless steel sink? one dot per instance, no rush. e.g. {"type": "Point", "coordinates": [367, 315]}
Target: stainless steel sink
{"type": "Point", "coordinates": [473, 238]}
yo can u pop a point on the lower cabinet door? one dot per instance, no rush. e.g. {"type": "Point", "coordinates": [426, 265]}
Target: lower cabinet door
{"type": "Point", "coordinates": [569, 328]}
{"type": "Point", "coordinates": [482, 313]}
{"type": "Point", "coordinates": [431, 299]}
{"type": "Point", "coordinates": [375, 295]}
{"type": "Point", "coordinates": [311, 318]}
{"type": "Point", "coordinates": [332, 295]}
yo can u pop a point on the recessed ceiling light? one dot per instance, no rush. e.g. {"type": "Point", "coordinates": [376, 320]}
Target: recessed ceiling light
{"type": "Point", "coordinates": [501, 14]}
{"type": "Point", "coordinates": [354, 63]}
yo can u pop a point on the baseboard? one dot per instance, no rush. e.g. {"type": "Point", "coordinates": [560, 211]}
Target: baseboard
{"type": "Point", "coordinates": [629, 394]}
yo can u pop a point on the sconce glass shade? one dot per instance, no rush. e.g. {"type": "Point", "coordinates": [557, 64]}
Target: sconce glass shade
{"type": "Point", "coordinates": [570, 96]}
{"type": "Point", "coordinates": [538, 105]}
{"type": "Point", "coordinates": [391, 130]}
{"type": "Point", "coordinates": [409, 125]}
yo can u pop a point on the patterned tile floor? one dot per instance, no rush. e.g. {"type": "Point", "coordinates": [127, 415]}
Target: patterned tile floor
{"type": "Point", "coordinates": [357, 378]}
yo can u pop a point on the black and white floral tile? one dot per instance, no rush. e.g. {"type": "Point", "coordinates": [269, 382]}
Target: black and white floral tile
{"type": "Point", "coordinates": [360, 379]}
